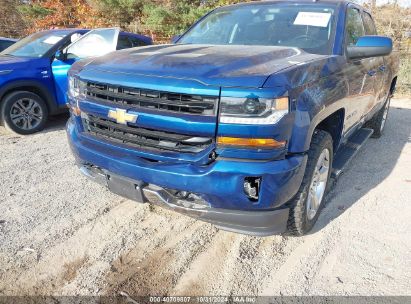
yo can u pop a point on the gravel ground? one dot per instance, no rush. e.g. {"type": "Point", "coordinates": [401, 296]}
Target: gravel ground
{"type": "Point", "coordinates": [61, 234]}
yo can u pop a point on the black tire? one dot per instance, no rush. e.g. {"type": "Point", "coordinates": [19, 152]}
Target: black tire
{"type": "Point", "coordinates": [23, 112]}
{"type": "Point", "coordinates": [299, 223]}
{"type": "Point", "coordinates": [378, 122]}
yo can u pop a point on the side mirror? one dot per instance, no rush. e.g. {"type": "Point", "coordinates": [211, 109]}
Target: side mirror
{"type": "Point", "coordinates": [370, 46]}
{"type": "Point", "coordinates": [60, 55]}
{"type": "Point", "coordinates": [175, 38]}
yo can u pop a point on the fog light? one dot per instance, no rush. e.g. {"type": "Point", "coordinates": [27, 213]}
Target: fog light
{"type": "Point", "coordinates": [252, 188]}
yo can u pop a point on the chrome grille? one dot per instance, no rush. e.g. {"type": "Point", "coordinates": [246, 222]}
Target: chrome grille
{"type": "Point", "coordinates": [143, 138]}
{"type": "Point", "coordinates": [151, 99]}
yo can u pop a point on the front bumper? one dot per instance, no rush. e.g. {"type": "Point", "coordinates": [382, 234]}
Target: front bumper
{"type": "Point", "coordinates": [220, 185]}
{"type": "Point", "coordinates": [259, 223]}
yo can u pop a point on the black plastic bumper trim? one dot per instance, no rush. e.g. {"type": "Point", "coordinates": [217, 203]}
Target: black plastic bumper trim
{"type": "Point", "coordinates": [256, 223]}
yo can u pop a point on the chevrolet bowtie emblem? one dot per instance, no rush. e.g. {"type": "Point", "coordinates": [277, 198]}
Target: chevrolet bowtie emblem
{"type": "Point", "coordinates": [122, 117]}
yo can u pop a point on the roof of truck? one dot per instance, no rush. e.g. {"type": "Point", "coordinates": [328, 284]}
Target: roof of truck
{"type": "Point", "coordinates": [293, 1]}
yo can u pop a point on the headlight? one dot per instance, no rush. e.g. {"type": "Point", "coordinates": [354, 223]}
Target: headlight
{"type": "Point", "coordinates": [76, 86]}
{"type": "Point", "coordinates": [260, 111]}
{"type": "Point", "coordinates": [74, 89]}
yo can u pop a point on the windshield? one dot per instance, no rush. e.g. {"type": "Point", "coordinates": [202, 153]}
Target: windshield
{"type": "Point", "coordinates": [306, 26]}
{"type": "Point", "coordinates": [36, 45]}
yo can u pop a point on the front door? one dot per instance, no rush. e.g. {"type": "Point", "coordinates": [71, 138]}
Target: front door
{"type": "Point", "coordinates": [60, 69]}
{"type": "Point", "coordinates": [95, 43]}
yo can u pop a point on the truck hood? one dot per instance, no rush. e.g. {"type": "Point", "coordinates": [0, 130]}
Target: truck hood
{"type": "Point", "coordinates": [216, 65]}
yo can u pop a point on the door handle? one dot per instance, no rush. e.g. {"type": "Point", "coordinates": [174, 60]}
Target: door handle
{"type": "Point", "coordinates": [372, 73]}
{"type": "Point", "coordinates": [383, 68]}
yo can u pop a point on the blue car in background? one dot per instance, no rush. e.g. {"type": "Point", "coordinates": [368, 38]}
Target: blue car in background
{"type": "Point", "coordinates": [33, 71]}
{"type": "Point", "coordinates": [6, 42]}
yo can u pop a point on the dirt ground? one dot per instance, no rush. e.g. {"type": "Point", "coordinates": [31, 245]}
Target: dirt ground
{"type": "Point", "coordinates": [61, 234]}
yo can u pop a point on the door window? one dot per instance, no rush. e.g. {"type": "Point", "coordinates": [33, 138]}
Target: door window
{"type": "Point", "coordinates": [123, 43]}
{"type": "Point", "coordinates": [5, 44]}
{"type": "Point", "coordinates": [137, 42]}
{"type": "Point", "coordinates": [95, 43]}
{"type": "Point", "coordinates": [354, 28]}
{"type": "Point", "coordinates": [369, 25]}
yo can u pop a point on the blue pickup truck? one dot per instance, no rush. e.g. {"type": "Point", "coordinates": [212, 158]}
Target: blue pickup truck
{"type": "Point", "coordinates": [33, 72]}
{"type": "Point", "coordinates": [245, 120]}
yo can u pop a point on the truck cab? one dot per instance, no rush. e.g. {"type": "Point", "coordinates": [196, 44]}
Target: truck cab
{"type": "Point", "coordinates": [33, 72]}
{"type": "Point", "coordinates": [242, 121]}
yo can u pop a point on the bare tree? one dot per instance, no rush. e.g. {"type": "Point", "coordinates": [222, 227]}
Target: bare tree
{"type": "Point", "coordinates": [373, 4]}
{"type": "Point", "coordinates": [12, 23]}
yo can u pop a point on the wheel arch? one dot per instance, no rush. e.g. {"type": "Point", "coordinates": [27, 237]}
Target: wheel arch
{"type": "Point", "coordinates": [329, 120]}
{"type": "Point", "coordinates": [334, 125]}
{"type": "Point", "coordinates": [393, 85]}
{"type": "Point", "coordinates": [34, 87]}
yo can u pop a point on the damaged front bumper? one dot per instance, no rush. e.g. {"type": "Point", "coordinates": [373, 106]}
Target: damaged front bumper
{"type": "Point", "coordinates": [213, 193]}
{"type": "Point", "coordinates": [259, 223]}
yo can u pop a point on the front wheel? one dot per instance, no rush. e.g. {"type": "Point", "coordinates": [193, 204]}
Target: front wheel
{"type": "Point", "coordinates": [307, 204]}
{"type": "Point", "coordinates": [24, 112]}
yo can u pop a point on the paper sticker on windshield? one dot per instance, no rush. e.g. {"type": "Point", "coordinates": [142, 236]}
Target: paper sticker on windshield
{"type": "Point", "coordinates": [52, 40]}
{"type": "Point", "coordinates": [313, 19]}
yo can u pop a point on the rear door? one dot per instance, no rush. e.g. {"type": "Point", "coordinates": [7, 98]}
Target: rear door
{"type": "Point", "coordinates": [379, 63]}
{"type": "Point", "coordinates": [95, 43]}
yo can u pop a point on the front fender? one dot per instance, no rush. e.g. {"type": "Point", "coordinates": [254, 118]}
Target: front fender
{"type": "Point", "coordinates": [316, 89]}
{"type": "Point", "coordinates": [313, 104]}
{"type": "Point", "coordinates": [31, 83]}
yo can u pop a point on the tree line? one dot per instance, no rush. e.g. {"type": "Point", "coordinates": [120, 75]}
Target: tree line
{"type": "Point", "coordinates": [158, 18]}
{"type": "Point", "coordinates": [161, 19]}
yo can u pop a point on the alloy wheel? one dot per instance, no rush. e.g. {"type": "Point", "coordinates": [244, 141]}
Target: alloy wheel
{"type": "Point", "coordinates": [318, 184]}
{"type": "Point", "coordinates": [26, 113]}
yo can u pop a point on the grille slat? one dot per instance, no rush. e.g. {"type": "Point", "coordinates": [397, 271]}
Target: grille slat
{"type": "Point", "coordinates": [144, 138]}
{"type": "Point", "coordinates": [159, 100]}
{"type": "Point", "coordinates": [139, 131]}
